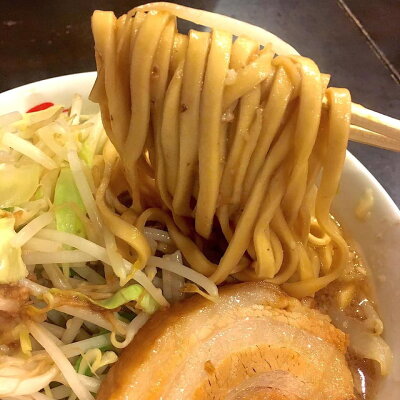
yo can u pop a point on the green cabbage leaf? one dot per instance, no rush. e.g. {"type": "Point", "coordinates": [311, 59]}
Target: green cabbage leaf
{"type": "Point", "coordinates": [12, 268]}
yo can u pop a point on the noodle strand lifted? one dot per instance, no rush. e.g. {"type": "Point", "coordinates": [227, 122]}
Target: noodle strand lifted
{"type": "Point", "coordinates": [223, 141]}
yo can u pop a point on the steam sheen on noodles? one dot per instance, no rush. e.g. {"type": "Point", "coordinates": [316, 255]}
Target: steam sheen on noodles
{"type": "Point", "coordinates": [219, 134]}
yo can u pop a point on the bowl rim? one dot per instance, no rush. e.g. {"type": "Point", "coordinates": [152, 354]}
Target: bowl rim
{"type": "Point", "coordinates": [27, 86]}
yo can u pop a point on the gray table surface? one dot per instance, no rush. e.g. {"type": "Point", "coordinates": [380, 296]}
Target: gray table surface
{"type": "Point", "coordinates": [41, 39]}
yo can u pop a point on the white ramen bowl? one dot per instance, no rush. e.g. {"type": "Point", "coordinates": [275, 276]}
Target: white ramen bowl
{"type": "Point", "coordinates": [378, 236]}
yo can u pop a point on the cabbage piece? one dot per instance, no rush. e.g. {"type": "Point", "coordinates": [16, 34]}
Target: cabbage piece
{"type": "Point", "coordinates": [125, 295]}
{"type": "Point", "coordinates": [48, 183]}
{"type": "Point", "coordinates": [12, 268]}
{"type": "Point", "coordinates": [9, 118]}
{"type": "Point", "coordinates": [18, 184]}
{"type": "Point", "coordinates": [86, 153]}
{"type": "Point", "coordinates": [93, 360]}
{"type": "Point", "coordinates": [65, 194]}
{"type": "Point", "coordinates": [82, 368]}
{"type": "Point", "coordinates": [39, 194]}
{"type": "Point", "coordinates": [94, 141]}
{"type": "Point", "coordinates": [133, 292]}
{"type": "Point", "coordinates": [27, 211]}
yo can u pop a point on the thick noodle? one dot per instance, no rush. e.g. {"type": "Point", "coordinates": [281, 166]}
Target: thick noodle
{"type": "Point", "coordinates": [229, 147]}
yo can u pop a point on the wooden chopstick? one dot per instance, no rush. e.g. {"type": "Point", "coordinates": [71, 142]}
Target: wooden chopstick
{"type": "Point", "coordinates": [365, 136]}
{"type": "Point", "coordinates": [372, 128]}
{"type": "Point", "coordinates": [375, 129]}
{"type": "Point", "coordinates": [375, 122]}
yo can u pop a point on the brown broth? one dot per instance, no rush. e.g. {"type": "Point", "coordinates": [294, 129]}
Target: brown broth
{"type": "Point", "coordinates": [365, 375]}
{"type": "Point", "coordinates": [353, 294]}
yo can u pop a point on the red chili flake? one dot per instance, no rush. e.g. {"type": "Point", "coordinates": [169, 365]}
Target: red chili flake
{"type": "Point", "coordinates": [40, 107]}
{"type": "Point", "coordinates": [67, 110]}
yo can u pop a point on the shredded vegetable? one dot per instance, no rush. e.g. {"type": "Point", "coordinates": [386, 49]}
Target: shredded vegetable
{"type": "Point", "coordinates": [100, 231]}
{"type": "Point", "coordinates": [97, 272]}
{"type": "Point", "coordinates": [85, 282]}
{"type": "Point", "coordinates": [15, 189]}
{"type": "Point", "coordinates": [66, 197]}
{"type": "Point", "coordinates": [42, 336]}
{"type": "Point", "coordinates": [12, 268]}
{"type": "Point", "coordinates": [125, 295]}
{"type": "Point", "coordinates": [130, 293]}
{"type": "Point", "coordinates": [86, 262]}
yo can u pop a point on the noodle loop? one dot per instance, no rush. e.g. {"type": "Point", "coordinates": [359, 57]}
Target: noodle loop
{"type": "Point", "coordinates": [226, 145]}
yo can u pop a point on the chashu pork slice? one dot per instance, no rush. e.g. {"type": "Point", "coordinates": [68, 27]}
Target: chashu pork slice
{"type": "Point", "coordinates": [254, 343]}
